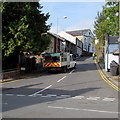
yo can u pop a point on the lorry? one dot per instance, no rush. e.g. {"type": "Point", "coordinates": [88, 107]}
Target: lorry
{"type": "Point", "coordinates": [59, 61]}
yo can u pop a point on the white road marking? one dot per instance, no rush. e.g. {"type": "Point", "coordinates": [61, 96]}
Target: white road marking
{"type": "Point", "coordinates": [108, 99]}
{"type": "Point", "coordinates": [39, 94]}
{"type": "Point", "coordinates": [65, 95]}
{"type": "Point", "coordinates": [89, 110]}
{"type": "Point", "coordinates": [45, 96]}
{"type": "Point", "coordinates": [78, 97]}
{"type": "Point", "coordinates": [32, 95]}
{"type": "Point", "coordinates": [52, 95]}
{"type": "Point", "coordinates": [41, 90]}
{"type": "Point", "coordinates": [61, 79]}
{"type": "Point", "coordinates": [93, 98]}
{"type": "Point", "coordinates": [20, 95]}
{"type": "Point", "coordinates": [71, 72]}
{"type": "Point", "coordinates": [9, 94]}
{"type": "Point", "coordinates": [60, 97]}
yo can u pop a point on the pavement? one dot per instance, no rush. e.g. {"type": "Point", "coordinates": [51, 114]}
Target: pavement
{"type": "Point", "coordinates": [25, 75]}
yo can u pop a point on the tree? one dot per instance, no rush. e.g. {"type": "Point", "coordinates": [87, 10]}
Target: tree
{"type": "Point", "coordinates": [107, 21]}
{"type": "Point", "coordinates": [111, 11]}
{"type": "Point", "coordinates": [23, 25]}
{"type": "Point", "coordinates": [100, 27]}
{"type": "Point", "coordinates": [106, 24]}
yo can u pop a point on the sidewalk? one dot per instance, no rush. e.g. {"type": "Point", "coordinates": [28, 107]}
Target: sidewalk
{"type": "Point", "coordinates": [114, 79]}
{"type": "Point", "coordinates": [26, 75]}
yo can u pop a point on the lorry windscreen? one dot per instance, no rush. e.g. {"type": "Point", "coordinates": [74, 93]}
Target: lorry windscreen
{"type": "Point", "coordinates": [52, 59]}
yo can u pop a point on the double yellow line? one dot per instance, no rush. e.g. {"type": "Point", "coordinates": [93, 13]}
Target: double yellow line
{"type": "Point", "coordinates": [106, 80]}
{"type": "Point", "coordinates": [9, 81]}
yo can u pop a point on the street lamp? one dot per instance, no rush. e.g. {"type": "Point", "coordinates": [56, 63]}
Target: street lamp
{"type": "Point", "coordinates": [64, 17]}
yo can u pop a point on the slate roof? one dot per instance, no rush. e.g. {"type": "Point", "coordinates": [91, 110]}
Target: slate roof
{"type": "Point", "coordinates": [113, 39]}
{"type": "Point", "coordinates": [78, 32]}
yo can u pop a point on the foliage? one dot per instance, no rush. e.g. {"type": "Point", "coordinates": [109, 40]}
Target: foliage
{"type": "Point", "coordinates": [107, 22]}
{"type": "Point", "coordinates": [98, 48]}
{"type": "Point", "coordinates": [100, 27]}
{"type": "Point", "coordinates": [111, 11]}
{"type": "Point", "coordinates": [23, 24]}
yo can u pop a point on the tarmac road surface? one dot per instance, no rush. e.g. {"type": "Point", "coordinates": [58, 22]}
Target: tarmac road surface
{"type": "Point", "coordinates": [79, 93]}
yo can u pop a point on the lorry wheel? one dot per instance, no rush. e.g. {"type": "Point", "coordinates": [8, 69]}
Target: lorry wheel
{"type": "Point", "coordinates": [49, 71]}
{"type": "Point", "coordinates": [64, 69]}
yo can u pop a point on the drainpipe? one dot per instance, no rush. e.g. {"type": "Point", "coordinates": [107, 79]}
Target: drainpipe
{"type": "Point", "coordinates": [119, 49]}
{"type": "Point", "coordinates": [107, 48]}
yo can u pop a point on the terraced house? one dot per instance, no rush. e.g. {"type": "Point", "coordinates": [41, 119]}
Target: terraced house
{"type": "Point", "coordinates": [87, 38]}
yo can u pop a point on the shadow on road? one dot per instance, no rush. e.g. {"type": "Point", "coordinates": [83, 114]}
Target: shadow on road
{"type": "Point", "coordinates": [83, 64]}
{"type": "Point", "coordinates": [83, 58]}
{"type": "Point", "coordinates": [16, 102]}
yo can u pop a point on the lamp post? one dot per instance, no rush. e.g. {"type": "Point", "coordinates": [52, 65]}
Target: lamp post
{"type": "Point", "coordinates": [65, 17]}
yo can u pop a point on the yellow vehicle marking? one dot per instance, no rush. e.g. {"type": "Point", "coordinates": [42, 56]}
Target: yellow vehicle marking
{"type": "Point", "coordinates": [52, 64]}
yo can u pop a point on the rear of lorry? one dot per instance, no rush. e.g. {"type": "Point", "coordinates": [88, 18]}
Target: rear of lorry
{"type": "Point", "coordinates": [52, 61]}
{"type": "Point", "coordinates": [58, 61]}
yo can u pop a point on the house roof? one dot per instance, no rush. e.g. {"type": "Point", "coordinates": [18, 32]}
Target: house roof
{"type": "Point", "coordinates": [113, 39]}
{"type": "Point", "coordinates": [78, 32]}
{"type": "Point", "coordinates": [57, 36]}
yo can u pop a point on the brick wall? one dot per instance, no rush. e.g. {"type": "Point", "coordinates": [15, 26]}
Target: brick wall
{"type": "Point", "coordinates": [10, 74]}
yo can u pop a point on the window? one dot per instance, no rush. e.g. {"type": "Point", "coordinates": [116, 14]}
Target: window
{"type": "Point", "coordinates": [71, 58]}
{"type": "Point", "coordinates": [52, 59]}
{"type": "Point", "coordinates": [64, 59]}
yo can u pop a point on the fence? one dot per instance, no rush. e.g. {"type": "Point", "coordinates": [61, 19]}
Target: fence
{"type": "Point", "coordinates": [10, 74]}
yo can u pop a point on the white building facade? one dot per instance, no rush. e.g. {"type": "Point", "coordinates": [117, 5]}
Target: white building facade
{"type": "Point", "coordinates": [87, 38]}
{"type": "Point", "coordinates": [74, 40]}
{"type": "Point", "coordinates": [111, 44]}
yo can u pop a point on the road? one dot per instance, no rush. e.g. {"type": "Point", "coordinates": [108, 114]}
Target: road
{"type": "Point", "coordinates": [79, 93]}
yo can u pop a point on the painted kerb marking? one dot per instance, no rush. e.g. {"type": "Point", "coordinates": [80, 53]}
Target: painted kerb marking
{"type": "Point", "coordinates": [106, 80]}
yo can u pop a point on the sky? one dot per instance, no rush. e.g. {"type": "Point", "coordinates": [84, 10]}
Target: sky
{"type": "Point", "coordinates": [80, 15]}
